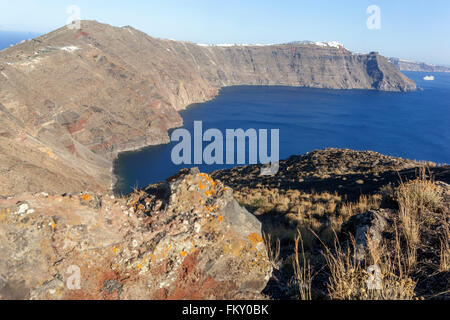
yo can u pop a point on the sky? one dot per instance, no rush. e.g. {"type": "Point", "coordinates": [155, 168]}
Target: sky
{"type": "Point", "coordinates": [409, 29]}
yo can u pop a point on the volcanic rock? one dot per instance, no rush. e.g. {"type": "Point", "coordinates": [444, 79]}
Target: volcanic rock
{"type": "Point", "coordinates": [184, 239]}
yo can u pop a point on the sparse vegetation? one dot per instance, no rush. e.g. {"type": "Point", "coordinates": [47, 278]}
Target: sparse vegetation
{"type": "Point", "coordinates": [311, 205]}
{"type": "Point", "coordinates": [445, 251]}
{"type": "Point", "coordinates": [273, 250]}
{"type": "Point", "coordinates": [302, 270]}
{"type": "Point", "coordinates": [377, 277]}
{"type": "Point", "coordinates": [414, 199]}
{"type": "Point", "coordinates": [366, 202]}
{"type": "Point", "coordinates": [323, 259]}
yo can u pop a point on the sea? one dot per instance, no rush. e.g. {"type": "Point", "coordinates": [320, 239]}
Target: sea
{"type": "Point", "coordinates": [10, 38]}
{"type": "Point", "coordinates": [413, 125]}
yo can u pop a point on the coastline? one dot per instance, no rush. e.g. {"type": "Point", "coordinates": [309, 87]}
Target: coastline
{"type": "Point", "coordinates": [165, 140]}
{"type": "Point", "coordinates": [137, 147]}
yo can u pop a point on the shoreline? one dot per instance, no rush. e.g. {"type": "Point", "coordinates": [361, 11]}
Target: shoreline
{"type": "Point", "coordinates": [217, 91]}
{"type": "Point", "coordinates": [139, 147]}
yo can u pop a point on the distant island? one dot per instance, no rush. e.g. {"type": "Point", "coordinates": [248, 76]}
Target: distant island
{"type": "Point", "coordinates": [409, 65]}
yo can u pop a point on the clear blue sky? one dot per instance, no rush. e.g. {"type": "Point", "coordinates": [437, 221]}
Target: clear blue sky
{"type": "Point", "coordinates": [414, 29]}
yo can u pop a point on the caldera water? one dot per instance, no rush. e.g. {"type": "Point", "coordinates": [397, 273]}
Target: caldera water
{"type": "Point", "coordinates": [414, 125]}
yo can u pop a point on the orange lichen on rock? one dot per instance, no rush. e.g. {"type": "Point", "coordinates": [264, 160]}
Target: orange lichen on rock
{"type": "Point", "coordinates": [167, 254]}
{"type": "Point", "coordinates": [86, 197]}
{"type": "Point", "coordinates": [211, 209]}
{"type": "Point", "coordinates": [208, 193]}
{"type": "Point", "coordinates": [255, 239]}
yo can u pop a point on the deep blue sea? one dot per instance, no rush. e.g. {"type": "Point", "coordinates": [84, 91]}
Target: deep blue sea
{"type": "Point", "coordinates": [8, 38]}
{"type": "Point", "coordinates": [413, 125]}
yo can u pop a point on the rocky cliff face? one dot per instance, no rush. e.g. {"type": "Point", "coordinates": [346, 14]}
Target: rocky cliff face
{"type": "Point", "coordinates": [409, 65]}
{"type": "Point", "coordinates": [71, 99]}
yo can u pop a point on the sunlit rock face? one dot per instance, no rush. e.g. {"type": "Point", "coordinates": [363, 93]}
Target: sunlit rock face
{"type": "Point", "coordinates": [186, 238]}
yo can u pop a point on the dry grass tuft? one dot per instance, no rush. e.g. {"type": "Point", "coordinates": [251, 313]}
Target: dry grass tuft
{"type": "Point", "coordinates": [302, 270]}
{"type": "Point", "coordinates": [445, 251]}
{"type": "Point", "coordinates": [379, 277]}
{"type": "Point", "coordinates": [273, 250]}
{"type": "Point", "coordinates": [364, 204]}
{"type": "Point", "coordinates": [414, 198]}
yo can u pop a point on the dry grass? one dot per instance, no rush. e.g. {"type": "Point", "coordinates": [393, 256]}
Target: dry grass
{"type": "Point", "coordinates": [297, 203]}
{"type": "Point", "coordinates": [395, 260]}
{"type": "Point", "coordinates": [414, 198]}
{"type": "Point", "coordinates": [379, 277]}
{"type": "Point", "coordinates": [302, 270]}
{"type": "Point", "coordinates": [298, 218]}
{"type": "Point", "coordinates": [364, 204]}
{"type": "Point", "coordinates": [444, 265]}
{"type": "Point", "coordinates": [273, 250]}
{"type": "Point", "coordinates": [419, 194]}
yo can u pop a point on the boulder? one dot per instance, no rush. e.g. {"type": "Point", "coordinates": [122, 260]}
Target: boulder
{"type": "Point", "coordinates": [186, 238]}
{"type": "Point", "coordinates": [365, 226]}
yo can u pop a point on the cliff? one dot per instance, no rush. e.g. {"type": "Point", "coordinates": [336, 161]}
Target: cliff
{"type": "Point", "coordinates": [409, 65]}
{"type": "Point", "coordinates": [72, 99]}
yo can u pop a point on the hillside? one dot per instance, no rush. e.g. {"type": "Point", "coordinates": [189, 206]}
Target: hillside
{"type": "Point", "coordinates": [194, 237]}
{"type": "Point", "coordinates": [409, 65]}
{"type": "Point", "coordinates": [353, 210]}
{"type": "Point", "coordinates": [72, 99]}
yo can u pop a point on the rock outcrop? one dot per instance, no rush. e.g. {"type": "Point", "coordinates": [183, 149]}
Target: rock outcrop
{"type": "Point", "coordinates": [72, 99]}
{"type": "Point", "coordinates": [183, 239]}
{"type": "Point", "coordinates": [367, 229]}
